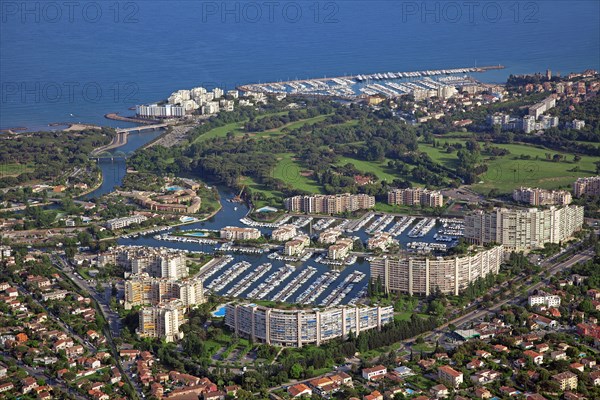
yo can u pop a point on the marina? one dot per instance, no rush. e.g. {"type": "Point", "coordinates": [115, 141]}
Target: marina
{"type": "Point", "coordinates": [271, 283]}
{"type": "Point", "coordinates": [342, 290]}
{"type": "Point", "coordinates": [245, 282]}
{"type": "Point", "coordinates": [228, 276]}
{"type": "Point", "coordinates": [295, 284]}
{"type": "Point", "coordinates": [401, 225]}
{"type": "Point", "coordinates": [387, 84]}
{"type": "Point", "coordinates": [422, 228]}
{"type": "Point", "coordinates": [318, 288]}
{"type": "Point", "coordinates": [214, 266]}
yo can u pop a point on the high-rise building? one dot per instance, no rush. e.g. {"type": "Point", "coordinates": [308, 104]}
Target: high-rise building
{"type": "Point", "coordinates": [146, 290]}
{"type": "Point", "coordinates": [426, 275]}
{"type": "Point", "coordinates": [329, 204]}
{"type": "Point", "coordinates": [523, 229]}
{"type": "Point", "coordinates": [588, 186]}
{"type": "Point", "coordinates": [299, 327]}
{"type": "Point", "coordinates": [156, 111]}
{"type": "Point", "coordinates": [156, 262]}
{"type": "Point", "coordinates": [542, 197]}
{"type": "Point", "coordinates": [162, 321]}
{"type": "Point", "coordinates": [416, 197]}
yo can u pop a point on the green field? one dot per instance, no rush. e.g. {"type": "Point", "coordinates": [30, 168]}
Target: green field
{"type": "Point", "coordinates": [290, 171]}
{"type": "Point", "coordinates": [511, 171]}
{"type": "Point", "coordinates": [13, 169]}
{"type": "Point", "coordinates": [379, 168]}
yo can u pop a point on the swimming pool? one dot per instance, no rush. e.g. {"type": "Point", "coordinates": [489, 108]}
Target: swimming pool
{"type": "Point", "coordinates": [197, 234]}
{"type": "Point", "coordinates": [174, 188]}
{"type": "Point", "coordinates": [219, 312]}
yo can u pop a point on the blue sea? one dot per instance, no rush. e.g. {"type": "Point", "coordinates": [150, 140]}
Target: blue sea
{"type": "Point", "coordinates": [75, 62]}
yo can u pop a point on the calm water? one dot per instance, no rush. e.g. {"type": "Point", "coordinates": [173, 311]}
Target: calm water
{"type": "Point", "coordinates": [62, 65]}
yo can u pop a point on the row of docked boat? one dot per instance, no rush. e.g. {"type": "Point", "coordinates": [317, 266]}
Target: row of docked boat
{"type": "Point", "coordinates": [146, 232]}
{"type": "Point", "coordinates": [355, 226]}
{"type": "Point", "coordinates": [351, 259]}
{"type": "Point", "coordinates": [443, 238]}
{"type": "Point", "coordinates": [276, 256]}
{"type": "Point", "coordinates": [185, 239]}
{"type": "Point", "coordinates": [422, 228]}
{"type": "Point", "coordinates": [452, 227]}
{"type": "Point", "coordinates": [295, 284]}
{"type": "Point", "coordinates": [266, 287]}
{"type": "Point", "coordinates": [317, 288]}
{"type": "Point", "coordinates": [414, 74]}
{"type": "Point", "coordinates": [323, 224]}
{"type": "Point", "coordinates": [380, 224]}
{"type": "Point", "coordinates": [256, 224]}
{"type": "Point", "coordinates": [228, 276]}
{"type": "Point", "coordinates": [239, 249]}
{"type": "Point", "coordinates": [301, 222]}
{"type": "Point", "coordinates": [214, 266]}
{"type": "Point", "coordinates": [342, 290]}
{"type": "Point", "coordinates": [401, 225]}
{"type": "Point", "coordinates": [248, 280]}
{"type": "Point", "coordinates": [427, 247]}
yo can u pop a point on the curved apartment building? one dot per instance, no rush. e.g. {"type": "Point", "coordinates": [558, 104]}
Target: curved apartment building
{"type": "Point", "coordinates": [299, 327]}
{"type": "Point", "coordinates": [424, 276]}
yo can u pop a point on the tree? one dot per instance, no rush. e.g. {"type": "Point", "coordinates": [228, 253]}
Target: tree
{"type": "Point", "coordinates": [296, 371]}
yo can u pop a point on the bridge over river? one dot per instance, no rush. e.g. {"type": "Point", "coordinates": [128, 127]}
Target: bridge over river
{"type": "Point", "coordinates": [121, 137]}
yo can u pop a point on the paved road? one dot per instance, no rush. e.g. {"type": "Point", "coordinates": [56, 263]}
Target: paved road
{"type": "Point", "coordinates": [111, 316]}
{"type": "Point", "coordinates": [552, 270]}
{"type": "Point", "coordinates": [38, 374]}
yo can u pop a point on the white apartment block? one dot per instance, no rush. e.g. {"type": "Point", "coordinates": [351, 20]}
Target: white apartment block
{"type": "Point", "coordinates": [340, 249]}
{"type": "Point", "coordinates": [156, 262]}
{"type": "Point", "coordinates": [162, 111]}
{"type": "Point", "coordinates": [297, 245]}
{"type": "Point", "coordinates": [237, 233]}
{"type": "Point", "coordinates": [425, 275]}
{"type": "Point", "coordinates": [329, 236]}
{"type": "Point", "coordinates": [119, 223]}
{"type": "Point", "coordinates": [588, 186]}
{"type": "Point", "coordinates": [380, 241]}
{"type": "Point", "coordinates": [284, 232]}
{"type": "Point", "coordinates": [211, 107]}
{"type": "Point", "coordinates": [538, 109]}
{"type": "Point", "coordinates": [523, 229]}
{"type": "Point", "coordinates": [300, 327]}
{"type": "Point", "coordinates": [544, 299]}
{"type": "Point", "coordinates": [145, 290]}
{"type": "Point", "coordinates": [329, 204]}
{"type": "Point", "coordinates": [542, 197]}
{"type": "Point", "coordinates": [416, 197]}
{"type": "Point", "coordinates": [162, 321]}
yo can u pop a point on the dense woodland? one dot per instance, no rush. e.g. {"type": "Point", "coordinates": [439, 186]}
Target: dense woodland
{"type": "Point", "coordinates": [48, 155]}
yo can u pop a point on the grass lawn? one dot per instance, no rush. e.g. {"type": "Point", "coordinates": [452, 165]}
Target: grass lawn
{"type": "Point", "coordinates": [290, 171]}
{"type": "Point", "coordinates": [272, 197]}
{"type": "Point", "coordinates": [379, 168]}
{"type": "Point", "coordinates": [404, 316]}
{"type": "Point", "coordinates": [13, 169]}
{"type": "Point", "coordinates": [423, 347]}
{"type": "Point", "coordinates": [508, 172]}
